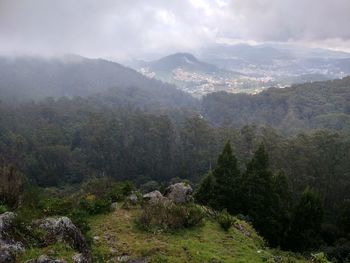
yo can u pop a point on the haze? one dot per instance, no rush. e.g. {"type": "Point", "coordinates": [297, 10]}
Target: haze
{"type": "Point", "coordinates": [141, 29]}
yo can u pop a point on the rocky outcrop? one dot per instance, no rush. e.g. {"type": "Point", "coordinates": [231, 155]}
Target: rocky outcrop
{"type": "Point", "coordinates": [6, 256]}
{"type": "Point", "coordinates": [179, 193]}
{"type": "Point", "coordinates": [132, 199]}
{"type": "Point", "coordinates": [114, 206]}
{"type": "Point", "coordinates": [8, 246]}
{"type": "Point", "coordinates": [63, 230]}
{"type": "Point", "coordinates": [46, 259]}
{"type": "Point", "coordinates": [154, 197]}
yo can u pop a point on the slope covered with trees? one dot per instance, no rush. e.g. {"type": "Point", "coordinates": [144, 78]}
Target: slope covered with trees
{"type": "Point", "coordinates": [304, 107]}
{"type": "Point", "coordinates": [33, 78]}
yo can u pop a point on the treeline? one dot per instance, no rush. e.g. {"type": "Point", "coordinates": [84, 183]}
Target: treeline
{"type": "Point", "coordinates": [304, 107]}
{"type": "Point", "coordinates": [67, 141]}
{"type": "Point", "coordinates": [265, 199]}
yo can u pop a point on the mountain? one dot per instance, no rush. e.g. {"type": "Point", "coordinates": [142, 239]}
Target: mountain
{"type": "Point", "coordinates": [34, 78]}
{"type": "Point", "coordinates": [297, 108]}
{"type": "Point", "coordinates": [191, 74]}
{"type": "Point", "coordinates": [246, 68]}
{"type": "Point", "coordinates": [182, 60]}
{"type": "Point", "coordinates": [283, 63]}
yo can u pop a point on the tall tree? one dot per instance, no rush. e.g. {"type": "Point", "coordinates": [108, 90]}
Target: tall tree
{"type": "Point", "coordinates": [227, 176]}
{"type": "Point", "coordinates": [306, 224]}
{"type": "Point", "coordinates": [257, 190]}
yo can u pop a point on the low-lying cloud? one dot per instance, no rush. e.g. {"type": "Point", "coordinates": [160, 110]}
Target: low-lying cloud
{"type": "Point", "coordinates": [123, 29]}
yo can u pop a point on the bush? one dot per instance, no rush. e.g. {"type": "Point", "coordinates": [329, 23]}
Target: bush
{"type": "Point", "coordinates": [225, 220]}
{"type": "Point", "coordinates": [3, 209]}
{"type": "Point", "coordinates": [319, 258]}
{"type": "Point", "coordinates": [79, 218]}
{"type": "Point", "coordinates": [169, 216]}
{"type": "Point", "coordinates": [94, 206]}
{"type": "Point", "coordinates": [56, 206]}
{"type": "Point", "coordinates": [120, 191]}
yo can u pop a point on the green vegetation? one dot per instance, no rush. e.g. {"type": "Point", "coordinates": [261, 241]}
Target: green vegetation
{"type": "Point", "coordinates": [72, 156]}
{"type": "Point", "coordinates": [119, 235]}
{"type": "Point", "coordinates": [304, 107]}
{"type": "Point", "coordinates": [169, 216]}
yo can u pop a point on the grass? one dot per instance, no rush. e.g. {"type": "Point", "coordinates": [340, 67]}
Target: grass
{"type": "Point", "coordinates": [57, 251]}
{"type": "Point", "coordinates": [118, 235]}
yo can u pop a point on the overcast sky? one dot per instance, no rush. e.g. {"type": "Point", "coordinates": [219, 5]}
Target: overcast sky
{"type": "Point", "coordinates": [134, 28]}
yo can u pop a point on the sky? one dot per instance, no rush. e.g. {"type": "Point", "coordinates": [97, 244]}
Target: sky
{"type": "Point", "coordinates": [124, 29]}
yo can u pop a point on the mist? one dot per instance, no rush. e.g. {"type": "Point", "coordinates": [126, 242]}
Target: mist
{"type": "Point", "coordinates": [141, 29]}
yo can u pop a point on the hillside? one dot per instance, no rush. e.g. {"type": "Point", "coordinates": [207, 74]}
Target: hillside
{"type": "Point", "coordinates": [34, 78]}
{"type": "Point", "coordinates": [284, 64]}
{"type": "Point", "coordinates": [193, 75]}
{"type": "Point", "coordinates": [118, 239]}
{"type": "Point", "coordinates": [298, 108]}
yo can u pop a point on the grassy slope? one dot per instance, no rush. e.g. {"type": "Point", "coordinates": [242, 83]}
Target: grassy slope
{"type": "Point", "coordinates": [209, 243]}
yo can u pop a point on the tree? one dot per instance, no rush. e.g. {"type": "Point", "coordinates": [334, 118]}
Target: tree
{"type": "Point", "coordinates": [258, 196]}
{"type": "Point", "coordinates": [282, 207]}
{"type": "Point", "coordinates": [205, 192]}
{"type": "Point", "coordinates": [306, 224]}
{"type": "Point", "coordinates": [227, 176]}
{"type": "Point", "coordinates": [11, 185]}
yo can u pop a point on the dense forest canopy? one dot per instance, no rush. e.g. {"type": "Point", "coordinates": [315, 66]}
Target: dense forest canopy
{"type": "Point", "coordinates": [309, 106]}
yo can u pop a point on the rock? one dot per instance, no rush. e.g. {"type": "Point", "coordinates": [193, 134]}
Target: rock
{"type": "Point", "coordinates": [45, 259]}
{"type": "Point", "coordinates": [132, 199]}
{"type": "Point", "coordinates": [63, 230]}
{"type": "Point", "coordinates": [6, 256]}
{"type": "Point", "coordinates": [79, 258]}
{"type": "Point", "coordinates": [154, 197]}
{"type": "Point", "coordinates": [96, 238]}
{"type": "Point", "coordinates": [124, 258]}
{"type": "Point", "coordinates": [114, 206]}
{"type": "Point", "coordinates": [179, 193]}
{"type": "Point", "coordinates": [8, 246]}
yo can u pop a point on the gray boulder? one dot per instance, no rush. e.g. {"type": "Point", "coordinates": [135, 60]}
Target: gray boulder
{"type": "Point", "coordinates": [46, 259]}
{"type": "Point", "coordinates": [6, 256]}
{"type": "Point", "coordinates": [179, 193]}
{"type": "Point", "coordinates": [154, 197]}
{"type": "Point", "coordinates": [8, 246]}
{"type": "Point", "coordinates": [132, 199]}
{"type": "Point", "coordinates": [114, 206]}
{"type": "Point", "coordinates": [63, 230]}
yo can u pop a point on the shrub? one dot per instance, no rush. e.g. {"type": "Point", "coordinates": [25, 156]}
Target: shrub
{"type": "Point", "coordinates": [319, 258]}
{"type": "Point", "coordinates": [56, 206]}
{"type": "Point", "coordinates": [3, 209]}
{"type": "Point", "coordinates": [120, 191]}
{"type": "Point", "coordinates": [225, 220]}
{"type": "Point", "coordinates": [94, 206]}
{"type": "Point", "coordinates": [79, 218]}
{"type": "Point", "coordinates": [169, 216]}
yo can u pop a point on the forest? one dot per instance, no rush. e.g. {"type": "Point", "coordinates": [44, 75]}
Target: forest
{"type": "Point", "coordinates": [279, 159]}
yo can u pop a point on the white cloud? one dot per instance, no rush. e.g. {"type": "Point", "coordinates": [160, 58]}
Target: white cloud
{"type": "Point", "coordinates": [133, 28]}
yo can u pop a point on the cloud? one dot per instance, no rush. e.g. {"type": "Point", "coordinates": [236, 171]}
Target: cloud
{"type": "Point", "coordinates": [283, 20]}
{"type": "Point", "coordinates": [135, 28]}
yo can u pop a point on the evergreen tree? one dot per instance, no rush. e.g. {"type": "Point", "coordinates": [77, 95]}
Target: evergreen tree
{"type": "Point", "coordinates": [258, 197]}
{"type": "Point", "coordinates": [227, 176]}
{"type": "Point", "coordinates": [282, 207]}
{"type": "Point", "coordinates": [307, 219]}
{"type": "Point", "coordinates": [205, 192]}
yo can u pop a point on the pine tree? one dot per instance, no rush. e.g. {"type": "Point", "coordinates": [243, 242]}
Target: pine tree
{"type": "Point", "coordinates": [282, 208]}
{"type": "Point", "coordinates": [306, 224]}
{"type": "Point", "coordinates": [226, 175]}
{"type": "Point", "coordinates": [258, 197]}
{"type": "Point", "coordinates": [205, 193]}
